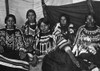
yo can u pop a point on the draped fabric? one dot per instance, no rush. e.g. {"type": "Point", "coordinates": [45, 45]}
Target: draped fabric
{"type": "Point", "coordinates": [58, 2]}
{"type": "Point", "coordinates": [57, 61]}
{"type": "Point", "coordinates": [13, 63]}
{"type": "Point", "coordinates": [77, 12]}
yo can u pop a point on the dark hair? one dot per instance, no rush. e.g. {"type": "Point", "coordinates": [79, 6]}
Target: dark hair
{"type": "Point", "coordinates": [10, 15]}
{"type": "Point", "coordinates": [45, 21]}
{"type": "Point", "coordinates": [31, 10]}
{"type": "Point", "coordinates": [28, 36]}
{"type": "Point", "coordinates": [67, 18]}
{"type": "Point", "coordinates": [90, 14]}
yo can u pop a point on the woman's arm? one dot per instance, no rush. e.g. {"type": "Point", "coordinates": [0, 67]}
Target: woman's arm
{"type": "Point", "coordinates": [20, 45]}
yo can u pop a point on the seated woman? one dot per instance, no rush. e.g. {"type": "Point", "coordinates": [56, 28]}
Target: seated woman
{"type": "Point", "coordinates": [61, 58]}
{"type": "Point", "coordinates": [30, 27]}
{"type": "Point", "coordinates": [30, 30]}
{"type": "Point", "coordinates": [12, 47]}
{"type": "Point", "coordinates": [64, 26]}
{"type": "Point", "coordinates": [87, 45]}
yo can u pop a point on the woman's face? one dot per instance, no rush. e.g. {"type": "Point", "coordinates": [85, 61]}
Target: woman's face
{"type": "Point", "coordinates": [90, 21]}
{"type": "Point", "coordinates": [43, 27]}
{"type": "Point", "coordinates": [31, 16]}
{"type": "Point", "coordinates": [63, 20]}
{"type": "Point", "coordinates": [10, 22]}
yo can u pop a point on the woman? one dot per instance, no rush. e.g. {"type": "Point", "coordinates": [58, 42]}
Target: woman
{"type": "Point", "coordinates": [30, 27]}
{"type": "Point", "coordinates": [65, 27]}
{"type": "Point", "coordinates": [12, 47]}
{"type": "Point", "coordinates": [30, 31]}
{"type": "Point", "coordinates": [45, 41]}
{"type": "Point", "coordinates": [87, 45]}
{"type": "Point", "coordinates": [61, 58]}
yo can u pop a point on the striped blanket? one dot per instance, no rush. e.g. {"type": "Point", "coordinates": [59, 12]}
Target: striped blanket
{"type": "Point", "coordinates": [13, 63]}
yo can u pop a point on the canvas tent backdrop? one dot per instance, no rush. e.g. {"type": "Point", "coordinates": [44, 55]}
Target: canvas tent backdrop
{"type": "Point", "coordinates": [77, 12]}
{"type": "Point", "coordinates": [76, 9]}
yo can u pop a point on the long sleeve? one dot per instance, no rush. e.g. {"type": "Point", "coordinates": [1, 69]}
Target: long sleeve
{"type": "Point", "coordinates": [76, 40]}
{"type": "Point", "coordinates": [77, 34]}
{"type": "Point", "coordinates": [61, 42]}
{"type": "Point", "coordinates": [2, 40]}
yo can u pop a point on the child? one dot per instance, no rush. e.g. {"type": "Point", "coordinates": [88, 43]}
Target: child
{"type": "Point", "coordinates": [29, 46]}
{"type": "Point", "coordinates": [45, 41]}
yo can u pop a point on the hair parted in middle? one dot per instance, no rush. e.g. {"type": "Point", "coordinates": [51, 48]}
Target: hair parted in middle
{"type": "Point", "coordinates": [30, 10]}
{"type": "Point", "coordinates": [10, 15]}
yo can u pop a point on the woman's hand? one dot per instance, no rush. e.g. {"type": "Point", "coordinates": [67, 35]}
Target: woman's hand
{"type": "Point", "coordinates": [77, 64]}
{"type": "Point", "coordinates": [34, 61]}
{"type": "Point", "coordinates": [22, 54]}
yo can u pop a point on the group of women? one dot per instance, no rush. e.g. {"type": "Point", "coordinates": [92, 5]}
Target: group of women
{"type": "Point", "coordinates": [59, 48]}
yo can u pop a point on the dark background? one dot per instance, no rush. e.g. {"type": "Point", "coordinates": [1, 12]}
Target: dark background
{"type": "Point", "coordinates": [77, 13]}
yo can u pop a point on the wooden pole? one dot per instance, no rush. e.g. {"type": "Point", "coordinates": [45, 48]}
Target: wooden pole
{"type": "Point", "coordinates": [43, 3]}
{"type": "Point", "coordinates": [90, 6]}
{"type": "Point", "coordinates": [7, 6]}
{"type": "Point", "coordinates": [43, 7]}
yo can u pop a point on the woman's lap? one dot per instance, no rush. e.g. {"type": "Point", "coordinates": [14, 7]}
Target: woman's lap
{"type": "Point", "coordinates": [57, 61]}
